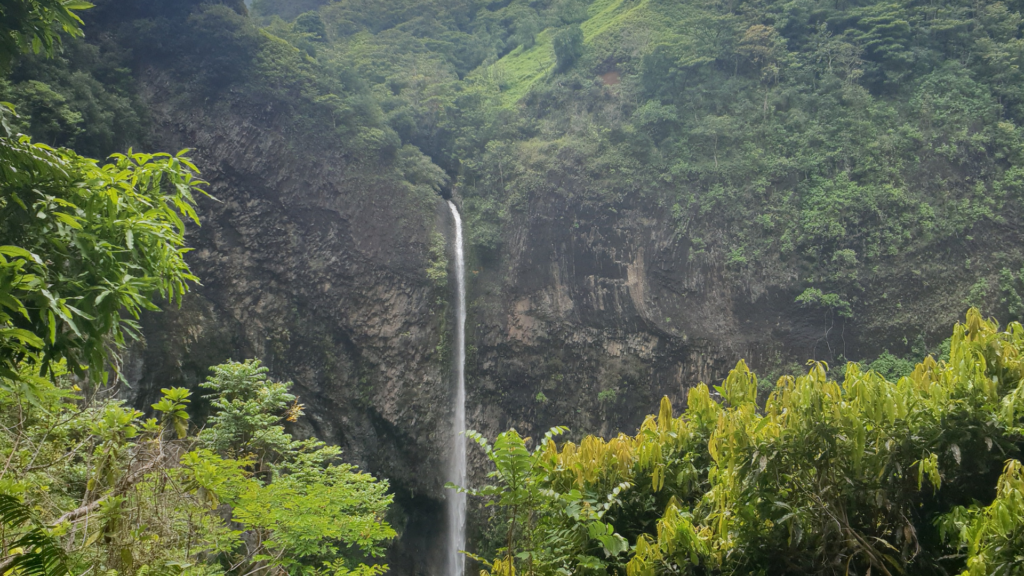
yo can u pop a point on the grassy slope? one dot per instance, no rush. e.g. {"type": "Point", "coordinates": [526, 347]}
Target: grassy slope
{"type": "Point", "coordinates": [612, 32]}
{"type": "Point", "coordinates": [521, 69]}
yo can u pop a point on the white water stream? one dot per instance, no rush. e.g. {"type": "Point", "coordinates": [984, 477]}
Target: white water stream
{"type": "Point", "coordinates": [456, 541]}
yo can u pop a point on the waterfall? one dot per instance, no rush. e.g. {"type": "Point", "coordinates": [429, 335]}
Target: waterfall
{"type": "Point", "coordinates": [456, 562]}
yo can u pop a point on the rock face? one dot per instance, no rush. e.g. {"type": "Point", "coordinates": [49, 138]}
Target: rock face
{"type": "Point", "coordinates": [316, 265]}
{"type": "Point", "coordinates": [591, 314]}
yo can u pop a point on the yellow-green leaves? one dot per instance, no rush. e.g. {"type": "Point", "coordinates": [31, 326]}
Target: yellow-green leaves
{"type": "Point", "coordinates": [740, 387]}
{"type": "Point", "coordinates": [993, 537]}
{"type": "Point", "coordinates": [929, 467]}
{"type": "Point", "coordinates": [173, 406]}
{"type": "Point", "coordinates": [827, 473]}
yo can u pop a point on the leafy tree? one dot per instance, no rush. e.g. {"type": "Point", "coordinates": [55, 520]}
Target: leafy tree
{"type": "Point", "coordinates": [247, 413]}
{"type": "Point", "coordinates": [34, 25]}
{"type": "Point", "coordinates": [832, 302]}
{"type": "Point", "coordinates": [81, 244]}
{"type": "Point", "coordinates": [84, 248]}
{"type": "Point", "coordinates": [571, 11]}
{"type": "Point", "coordinates": [223, 45]}
{"type": "Point", "coordinates": [84, 99]}
{"type": "Point", "coordinates": [304, 510]}
{"type": "Point", "coordinates": [993, 536]}
{"type": "Point", "coordinates": [311, 23]}
{"type": "Point", "coordinates": [891, 367]}
{"type": "Point", "coordinates": [47, 112]}
{"type": "Point", "coordinates": [568, 45]}
{"type": "Point", "coordinates": [143, 496]}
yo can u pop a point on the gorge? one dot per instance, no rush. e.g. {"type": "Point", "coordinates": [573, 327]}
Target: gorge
{"type": "Point", "coordinates": [440, 215]}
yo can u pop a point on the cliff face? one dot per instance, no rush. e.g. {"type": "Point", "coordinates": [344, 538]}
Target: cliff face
{"type": "Point", "coordinates": [592, 316]}
{"type": "Point", "coordinates": [592, 313]}
{"type": "Point", "coordinates": [314, 263]}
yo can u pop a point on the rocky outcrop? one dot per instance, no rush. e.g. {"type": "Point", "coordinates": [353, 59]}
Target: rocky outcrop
{"type": "Point", "coordinates": [592, 316]}
{"type": "Point", "coordinates": [593, 312]}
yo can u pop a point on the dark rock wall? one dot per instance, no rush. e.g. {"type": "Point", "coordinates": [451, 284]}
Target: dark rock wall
{"type": "Point", "coordinates": [314, 263]}
{"type": "Point", "coordinates": [592, 315]}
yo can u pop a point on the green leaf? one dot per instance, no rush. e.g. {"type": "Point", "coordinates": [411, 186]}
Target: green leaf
{"type": "Point", "coordinates": [17, 252]}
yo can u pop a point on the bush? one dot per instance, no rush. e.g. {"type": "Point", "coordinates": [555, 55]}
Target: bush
{"type": "Point", "coordinates": [861, 476]}
{"type": "Point", "coordinates": [312, 24]}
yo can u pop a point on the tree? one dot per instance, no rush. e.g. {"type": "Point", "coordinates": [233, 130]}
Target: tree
{"type": "Point", "coordinates": [248, 410]}
{"type": "Point", "coordinates": [47, 112]}
{"type": "Point", "coordinates": [301, 508]}
{"type": "Point", "coordinates": [115, 491]}
{"type": "Point", "coordinates": [311, 23]}
{"type": "Point", "coordinates": [568, 44]}
{"type": "Point", "coordinates": [81, 244]}
{"type": "Point", "coordinates": [34, 25]}
{"type": "Point", "coordinates": [993, 536]}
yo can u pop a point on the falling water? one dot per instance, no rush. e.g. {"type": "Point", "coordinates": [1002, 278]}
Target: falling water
{"type": "Point", "coordinates": [457, 471]}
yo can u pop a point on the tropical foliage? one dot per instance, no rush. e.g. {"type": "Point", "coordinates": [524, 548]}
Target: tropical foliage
{"type": "Point", "coordinates": [806, 144]}
{"type": "Point", "coordinates": [803, 143]}
{"type": "Point", "coordinates": [111, 491]}
{"type": "Point", "coordinates": [83, 243]}
{"type": "Point", "coordinates": [35, 25]}
{"type": "Point", "coordinates": [83, 247]}
{"type": "Point", "coordinates": [921, 475]}
{"type": "Point", "coordinates": [88, 483]}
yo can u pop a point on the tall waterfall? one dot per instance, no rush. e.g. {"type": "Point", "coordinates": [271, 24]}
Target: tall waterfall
{"type": "Point", "coordinates": [456, 562]}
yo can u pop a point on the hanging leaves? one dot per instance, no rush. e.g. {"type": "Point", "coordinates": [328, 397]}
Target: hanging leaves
{"type": "Point", "coordinates": [86, 248]}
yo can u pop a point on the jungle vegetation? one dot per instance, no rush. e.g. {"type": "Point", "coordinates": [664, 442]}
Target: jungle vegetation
{"type": "Point", "coordinates": [89, 484]}
{"type": "Point", "coordinates": [920, 475]}
{"type": "Point", "coordinates": [802, 142]}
